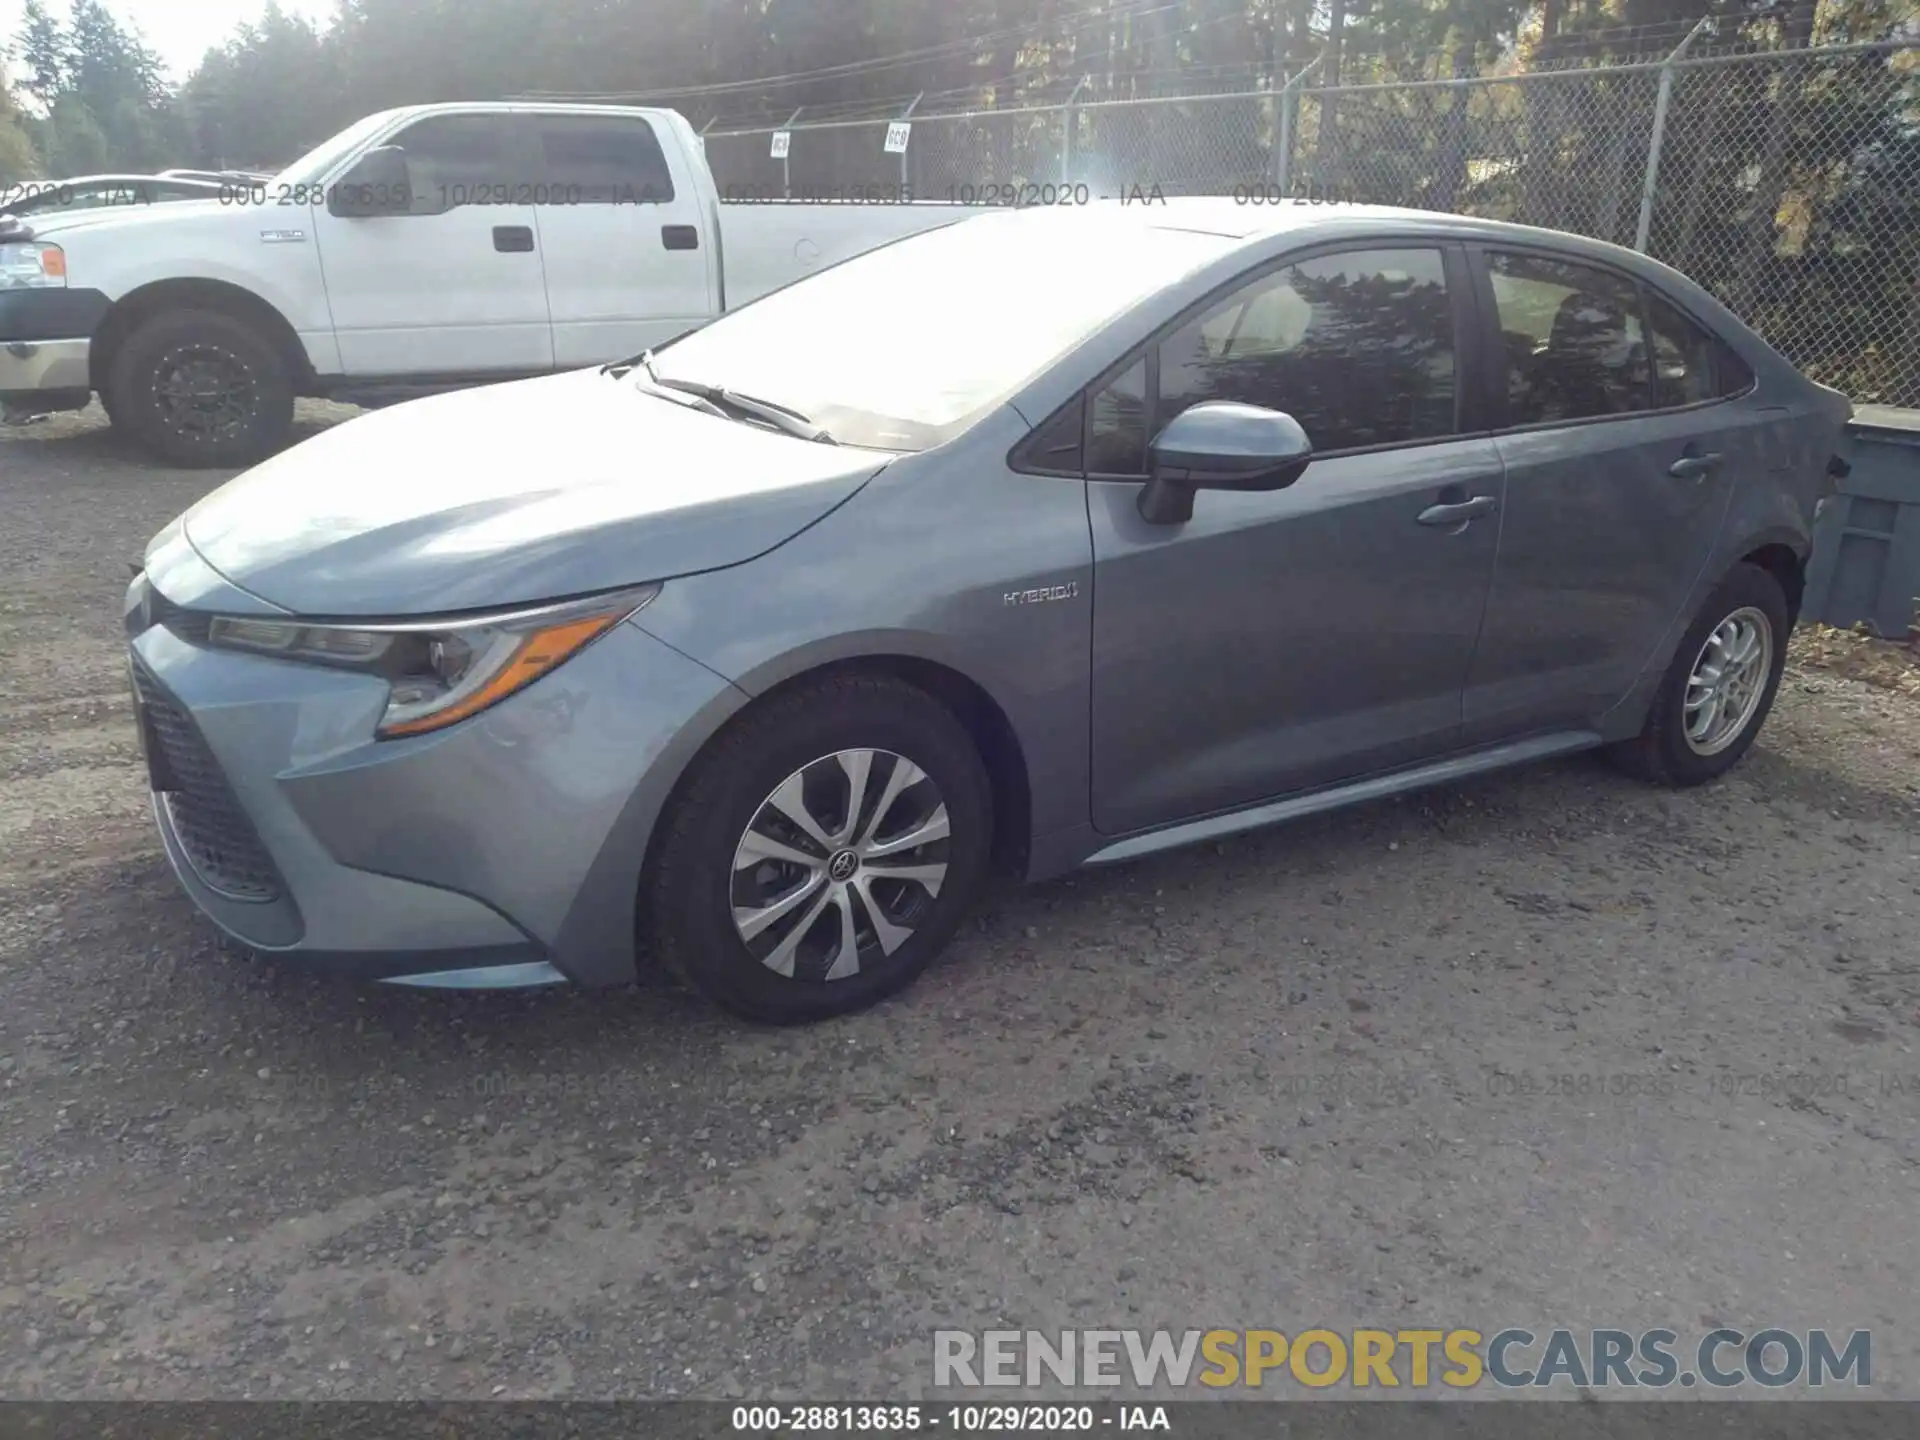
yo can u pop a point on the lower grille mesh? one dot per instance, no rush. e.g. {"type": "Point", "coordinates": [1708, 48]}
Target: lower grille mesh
{"type": "Point", "coordinates": [213, 829]}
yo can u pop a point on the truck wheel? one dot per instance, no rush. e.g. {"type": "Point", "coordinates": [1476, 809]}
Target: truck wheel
{"type": "Point", "coordinates": [200, 388]}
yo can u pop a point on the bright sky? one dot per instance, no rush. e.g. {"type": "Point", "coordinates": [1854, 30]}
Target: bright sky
{"type": "Point", "coordinates": [181, 31]}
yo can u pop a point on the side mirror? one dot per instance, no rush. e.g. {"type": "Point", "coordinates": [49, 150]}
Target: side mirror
{"type": "Point", "coordinates": [377, 184]}
{"type": "Point", "coordinates": [1220, 445]}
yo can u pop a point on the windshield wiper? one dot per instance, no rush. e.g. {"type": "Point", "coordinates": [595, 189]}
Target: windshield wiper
{"type": "Point", "coordinates": [644, 360]}
{"type": "Point", "coordinates": [780, 417]}
{"type": "Point", "coordinates": [620, 367]}
{"type": "Point", "coordinates": [685, 400]}
{"type": "Point", "coordinates": [728, 404]}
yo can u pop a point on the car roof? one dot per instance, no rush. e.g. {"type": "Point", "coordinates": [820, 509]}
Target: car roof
{"type": "Point", "coordinates": [1239, 218]}
{"type": "Point", "coordinates": [1257, 215]}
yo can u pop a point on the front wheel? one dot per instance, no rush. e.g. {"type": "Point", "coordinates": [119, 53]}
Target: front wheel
{"type": "Point", "coordinates": [201, 388]}
{"type": "Point", "coordinates": [822, 851]}
{"type": "Point", "coordinates": [1720, 686]}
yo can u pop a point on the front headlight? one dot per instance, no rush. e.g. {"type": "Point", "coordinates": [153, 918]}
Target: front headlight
{"type": "Point", "coordinates": [32, 265]}
{"type": "Point", "coordinates": [440, 671]}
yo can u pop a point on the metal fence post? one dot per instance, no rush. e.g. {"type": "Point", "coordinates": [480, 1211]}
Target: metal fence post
{"type": "Point", "coordinates": [1069, 122]}
{"type": "Point", "coordinates": [906, 175]}
{"type": "Point", "coordinates": [786, 161]}
{"type": "Point", "coordinates": [1658, 139]}
{"type": "Point", "coordinates": [1287, 103]}
{"type": "Point", "coordinates": [1280, 126]}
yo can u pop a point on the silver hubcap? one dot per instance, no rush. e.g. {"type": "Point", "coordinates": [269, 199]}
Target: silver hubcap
{"type": "Point", "coordinates": [1729, 676]}
{"type": "Point", "coordinates": [840, 864]}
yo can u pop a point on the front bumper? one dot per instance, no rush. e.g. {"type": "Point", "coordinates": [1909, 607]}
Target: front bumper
{"type": "Point", "coordinates": [46, 374]}
{"type": "Point", "coordinates": [45, 347]}
{"type": "Point", "coordinates": [479, 855]}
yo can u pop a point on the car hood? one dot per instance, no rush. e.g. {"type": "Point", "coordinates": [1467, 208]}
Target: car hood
{"type": "Point", "coordinates": [208, 212]}
{"type": "Point", "coordinates": [528, 491]}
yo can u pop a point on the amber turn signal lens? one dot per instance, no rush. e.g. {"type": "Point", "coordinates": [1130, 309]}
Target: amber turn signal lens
{"type": "Point", "coordinates": [537, 652]}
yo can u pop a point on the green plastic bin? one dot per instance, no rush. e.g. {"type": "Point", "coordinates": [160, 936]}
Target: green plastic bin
{"type": "Point", "coordinates": [1866, 547]}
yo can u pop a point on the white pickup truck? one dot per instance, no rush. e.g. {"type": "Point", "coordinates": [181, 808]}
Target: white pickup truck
{"type": "Point", "coordinates": [420, 249]}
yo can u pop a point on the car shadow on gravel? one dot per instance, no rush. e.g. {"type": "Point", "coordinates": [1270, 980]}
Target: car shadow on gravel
{"type": "Point", "coordinates": [1784, 779]}
{"type": "Point", "coordinates": [1103, 921]}
{"type": "Point", "coordinates": [1160, 892]}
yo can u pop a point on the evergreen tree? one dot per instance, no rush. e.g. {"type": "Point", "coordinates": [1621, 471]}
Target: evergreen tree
{"type": "Point", "coordinates": [43, 48]}
{"type": "Point", "coordinates": [18, 157]}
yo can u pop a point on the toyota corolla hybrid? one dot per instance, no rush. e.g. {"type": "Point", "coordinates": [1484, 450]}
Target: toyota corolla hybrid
{"type": "Point", "coordinates": [1043, 540]}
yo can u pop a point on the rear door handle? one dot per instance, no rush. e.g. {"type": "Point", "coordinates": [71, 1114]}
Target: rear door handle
{"type": "Point", "coordinates": [513, 239]}
{"type": "Point", "coordinates": [1459, 512]}
{"type": "Point", "coordinates": [1692, 467]}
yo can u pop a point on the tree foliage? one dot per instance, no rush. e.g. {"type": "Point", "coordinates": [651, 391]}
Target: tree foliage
{"type": "Point", "coordinates": [18, 158]}
{"type": "Point", "coordinates": [97, 95]}
{"type": "Point", "coordinates": [1792, 191]}
{"type": "Point", "coordinates": [280, 84]}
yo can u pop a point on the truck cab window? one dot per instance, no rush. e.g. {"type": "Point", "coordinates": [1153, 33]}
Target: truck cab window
{"type": "Point", "coordinates": [456, 160]}
{"type": "Point", "coordinates": [601, 160]}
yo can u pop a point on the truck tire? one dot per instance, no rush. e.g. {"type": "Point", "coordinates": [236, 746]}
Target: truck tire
{"type": "Point", "coordinates": [201, 388]}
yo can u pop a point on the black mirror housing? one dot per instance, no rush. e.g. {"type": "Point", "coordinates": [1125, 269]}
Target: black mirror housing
{"type": "Point", "coordinates": [1221, 445]}
{"type": "Point", "coordinates": [378, 183]}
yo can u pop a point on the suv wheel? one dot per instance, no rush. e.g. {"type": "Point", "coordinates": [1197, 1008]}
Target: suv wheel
{"type": "Point", "coordinates": [1717, 693]}
{"type": "Point", "coordinates": [822, 851]}
{"type": "Point", "coordinates": [200, 388]}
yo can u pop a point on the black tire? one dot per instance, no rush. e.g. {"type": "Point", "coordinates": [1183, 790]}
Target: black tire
{"type": "Point", "coordinates": [688, 898]}
{"type": "Point", "coordinates": [1661, 752]}
{"type": "Point", "coordinates": [246, 421]}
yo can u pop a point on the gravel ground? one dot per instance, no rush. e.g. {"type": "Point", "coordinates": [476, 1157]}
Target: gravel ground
{"type": "Point", "coordinates": [1302, 1078]}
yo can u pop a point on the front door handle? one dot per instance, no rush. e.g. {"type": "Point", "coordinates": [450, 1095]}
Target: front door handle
{"type": "Point", "coordinates": [513, 239]}
{"type": "Point", "coordinates": [1692, 467]}
{"type": "Point", "coordinates": [1459, 512]}
{"type": "Point", "coordinates": [680, 237]}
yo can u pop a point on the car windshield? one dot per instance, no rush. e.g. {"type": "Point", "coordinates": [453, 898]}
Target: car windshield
{"type": "Point", "coordinates": [904, 347]}
{"type": "Point", "coordinates": [312, 167]}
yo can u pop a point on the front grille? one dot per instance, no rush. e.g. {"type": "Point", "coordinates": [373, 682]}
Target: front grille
{"type": "Point", "coordinates": [213, 829]}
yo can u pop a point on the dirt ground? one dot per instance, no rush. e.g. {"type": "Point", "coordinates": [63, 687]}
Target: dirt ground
{"type": "Point", "coordinates": [1309, 1077]}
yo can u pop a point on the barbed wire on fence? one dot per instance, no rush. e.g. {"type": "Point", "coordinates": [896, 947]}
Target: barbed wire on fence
{"type": "Point", "coordinates": [1787, 182]}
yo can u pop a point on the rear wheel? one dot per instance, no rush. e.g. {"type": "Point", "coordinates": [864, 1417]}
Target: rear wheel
{"type": "Point", "coordinates": [201, 388]}
{"type": "Point", "coordinates": [822, 852]}
{"type": "Point", "coordinates": [1719, 688]}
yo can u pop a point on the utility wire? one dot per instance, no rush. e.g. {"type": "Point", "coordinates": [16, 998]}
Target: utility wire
{"type": "Point", "coordinates": [1031, 29]}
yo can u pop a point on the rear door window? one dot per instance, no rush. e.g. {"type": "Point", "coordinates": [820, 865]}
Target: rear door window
{"type": "Point", "coordinates": [602, 160]}
{"type": "Point", "coordinates": [1683, 357]}
{"type": "Point", "coordinates": [1572, 337]}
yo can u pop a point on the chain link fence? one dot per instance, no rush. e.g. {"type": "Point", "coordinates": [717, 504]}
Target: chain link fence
{"type": "Point", "coordinates": [1786, 182]}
